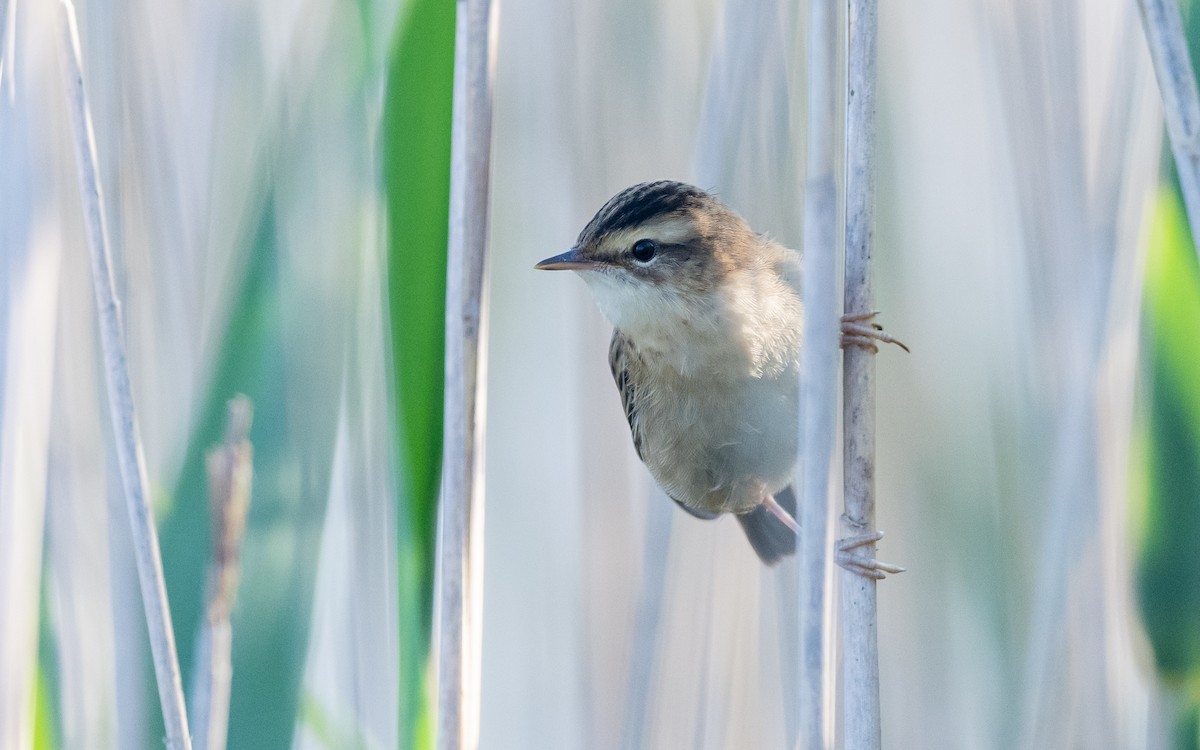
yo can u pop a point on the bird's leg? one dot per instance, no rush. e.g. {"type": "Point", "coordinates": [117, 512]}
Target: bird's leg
{"type": "Point", "coordinates": [861, 564]}
{"type": "Point", "coordinates": [781, 513]}
{"type": "Point", "coordinates": [856, 331]}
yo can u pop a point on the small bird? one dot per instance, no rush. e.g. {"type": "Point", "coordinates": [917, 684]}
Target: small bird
{"type": "Point", "coordinates": [707, 322]}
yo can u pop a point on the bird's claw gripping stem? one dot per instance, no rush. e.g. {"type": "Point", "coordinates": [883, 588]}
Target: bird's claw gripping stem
{"type": "Point", "coordinates": [862, 564]}
{"type": "Point", "coordinates": [856, 331]}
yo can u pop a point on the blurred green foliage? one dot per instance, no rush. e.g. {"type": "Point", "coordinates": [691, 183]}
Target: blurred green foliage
{"type": "Point", "coordinates": [43, 713]}
{"type": "Point", "coordinates": [416, 150]}
{"type": "Point", "coordinates": [1187, 729]}
{"type": "Point", "coordinates": [271, 628]}
{"type": "Point", "coordinates": [1166, 453]}
{"type": "Point", "coordinates": [46, 693]}
{"type": "Point", "coordinates": [326, 730]}
{"type": "Point", "coordinates": [1167, 457]}
{"type": "Point", "coordinates": [271, 619]}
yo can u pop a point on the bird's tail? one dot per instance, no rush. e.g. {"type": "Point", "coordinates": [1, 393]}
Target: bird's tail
{"type": "Point", "coordinates": [768, 535]}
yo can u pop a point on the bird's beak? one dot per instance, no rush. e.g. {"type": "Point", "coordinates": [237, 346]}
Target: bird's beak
{"type": "Point", "coordinates": [571, 260]}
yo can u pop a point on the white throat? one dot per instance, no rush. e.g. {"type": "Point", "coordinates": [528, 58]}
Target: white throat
{"type": "Point", "coordinates": [740, 329]}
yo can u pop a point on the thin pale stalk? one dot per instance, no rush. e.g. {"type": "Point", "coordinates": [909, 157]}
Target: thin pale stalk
{"type": "Point", "coordinates": [860, 641]}
{"type": "Point", "coordinates": [818, 381]}
{"type": "Point", "coordinates": [460, 549]}
{"type": "Point", "coordinates": [127, 436]}
{"type": "Point", "coordinates": [8, 47]}
{"type": "Point", "coordinates": [1163, 25]}
{"type": "Point", "coordinates": [230, 469]}
{"type": "Point", "coordinates": [209, 709]}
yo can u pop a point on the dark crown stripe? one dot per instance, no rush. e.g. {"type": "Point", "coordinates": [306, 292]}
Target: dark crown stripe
{"type": "Point", "coordinates": [638, 204]}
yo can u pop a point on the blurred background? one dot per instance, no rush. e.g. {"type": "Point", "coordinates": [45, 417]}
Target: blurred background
{"type": "Point", "coordinates": [276, 177]}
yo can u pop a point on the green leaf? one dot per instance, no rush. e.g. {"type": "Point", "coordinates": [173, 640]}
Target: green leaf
{"type": "Point", "coordinates": [416, 150]}
{"type": "Point", "coordinates": [43, 714]}
{"type": "Point", "coordinates": [1167, 476]}
{"type": "Point", "coordinates": [45, 688]}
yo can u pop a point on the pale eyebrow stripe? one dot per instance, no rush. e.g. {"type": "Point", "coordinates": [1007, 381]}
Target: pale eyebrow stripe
{"type": "Point", "coordinates": [669, 230]}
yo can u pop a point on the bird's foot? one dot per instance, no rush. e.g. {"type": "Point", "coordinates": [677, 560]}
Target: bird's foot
{"type": "Point", "coordinates": [856, 331]}
{"type": "Point", "coordinates": [863, 564]}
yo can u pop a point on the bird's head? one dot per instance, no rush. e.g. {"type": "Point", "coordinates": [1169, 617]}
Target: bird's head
{"type": "Point", "coordinates": [658, 251]}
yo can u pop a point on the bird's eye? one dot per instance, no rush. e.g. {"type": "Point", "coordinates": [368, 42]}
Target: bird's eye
{"type": "Point", "coordinates": [644, 250]}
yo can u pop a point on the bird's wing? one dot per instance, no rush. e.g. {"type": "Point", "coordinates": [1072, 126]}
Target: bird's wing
{"type": "Point", "coordinates": [620, 352]}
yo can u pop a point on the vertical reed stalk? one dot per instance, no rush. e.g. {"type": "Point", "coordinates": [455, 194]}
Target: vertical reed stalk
{"type": "Point", "coordinates": [1163, 25]}
{"type": "Point", "coordinates": [128, 440]}
{"type": "Point", "coordinates": [460, 549]}
{"type": "Point", "coordinates": [860, 639]}
{"type": "Point", "coordinates": [818, 382]}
